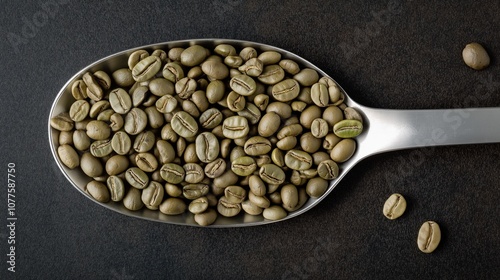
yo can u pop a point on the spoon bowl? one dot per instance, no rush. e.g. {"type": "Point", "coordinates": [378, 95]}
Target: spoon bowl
{"type": "Point", "coordinates": [384, 130]}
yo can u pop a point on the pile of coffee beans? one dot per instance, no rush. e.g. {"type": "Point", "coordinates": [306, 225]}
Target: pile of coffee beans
{"type": "Point", "coordinates": [210, 131]}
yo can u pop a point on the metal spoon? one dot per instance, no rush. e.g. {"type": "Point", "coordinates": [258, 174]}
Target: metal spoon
{"type": "Point", "coordinates": [384, 130]}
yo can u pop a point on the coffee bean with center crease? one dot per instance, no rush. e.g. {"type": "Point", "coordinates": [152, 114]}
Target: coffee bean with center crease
{"type": "Point", "coordinates": [184, 124]}
{"type": "Point", "coordinates": [79, 110]}
{"type": "Point", "coordinates": [328, 170]}
{"type": "Point", "coordinates": [298, 160]}
{"type": "Point", "coordinates": [120, 101]}
{"type": "Point", "coordinates": [243, 166]}
{"type": "Point", "coordinates": [348, 128]}
{"type": "Point", "coordinates": [272, 174]}
{"type": "Point", "coordinates": [235, 127]}
{"type": "Point", "coordinates": [286, 90]}
{"type": "Point", "coordinates": [146, 162]}
{"type": "Point", "coordinates": [243, 84]}
{"type": "Point", "coordinates": [257, 145]}
{"type": "Point", "coordinates": [62, 122]}
{"type": "Point", "coordinates": [194, 173]}
{"type": "Point", "coordinates": [207, 147]}
{"type": "Point", "coordinates": [94, 90]}
{"type": "Point", "coordinates": [172, 173]}
{"type": "Point", "coordinates": [116, 187]}
{"type": "Point", "coordinates": [135, 121]}
{"type": "Point", "coordinates": [146, 68]}
{"type": "Point", "coordinates": [215, 168]}
{"type": "Point", "coordinates": [152, 195]}
{"type": "Point", "coordinates": [137, 178]}
{"type": "Point", "coordinates": [210, 118]}
{"type": "Point", "coordinates": [101, 148]}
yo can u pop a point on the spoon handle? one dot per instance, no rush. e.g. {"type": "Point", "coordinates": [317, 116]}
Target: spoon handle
{"type": "Point", "coordinates": [389, 130]}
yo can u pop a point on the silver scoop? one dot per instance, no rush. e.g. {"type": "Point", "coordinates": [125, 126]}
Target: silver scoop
{"type": "Point", "coordinates": [384, 130]}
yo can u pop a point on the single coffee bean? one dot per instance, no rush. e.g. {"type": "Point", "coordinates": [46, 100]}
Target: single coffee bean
{"type": "Point", "coordinates": [303, 198]}
{"type": "Point", "coordinates": [235, 101]}
{"type": "Point", "coordinates": [144, 141]}
{"type": "Point", "coordinates": [155, 118]}
{"type": "Point", "coordinates": [319, 128]}
{"type": "Point", "coordinates": [272, 174]}
{"type": "Point", "coordinates": [252, 67]}
{"type": "Point", "coordinates": [103, 79]}
{"type": "Point", "coordinates": [259, 201]}
{"type": "Point", "coordinates": [166, 152]}
{"type": "Point", "coordinates": [320, 156]}
{"type": "Point", "coordinates": [194, 173]}
{"type": "Point", "coordinates": [429, 237]}
{"type": "Point", "coordinates": [328, 170]}
{"type": "Point", "coordinates": [121, 143]}
{"type": "Point", "coordinates": [120, 101]}
{"type": "Point", "coordinates": [283, 110]}
{"type": "Point", "coordinates": [228, 209]}
{"type": "Point", "coordinates": [286, 90]}
{"type": "Point", "coordinates": [81, 140]}
{"type": "Point", "coordinates": [132, 200]}
{"type": "Point", "coordinates": [193, 55]}
{"type": "Point", "coordinates": [185, 87]}
{"type": "Point", "coordinates": [189, 154]}
{"type": "Point", "coordinates": [135, 121]}
{"type": "Point", "coordinates": [251, 112]}
{"type": "Point", "coordinates": [123, 77]}
{"type": "Point", "coordinates": [172, 173]}
{"type": "Point", "coordinates": [274, 212]}
{"type": "Point", "coordinates": [262, 160]}
{"type": "Point", "coordinates": [79, 90]}
{"type": "Point", "coordinates": [184, 124]}
{"type": "Point", "coordinates": [226, 179]}
{"type": "Point", "coordinates": [475, 56]}
{"type": "Point", "coordinates": [275, 197]}
{"type": "Point", "coordinates": [257, 145]}
{"type": "Point", "coordinates": [66, 137]}
{"type": "Point", "coordinates": [248, 53]}
{"type": "Point", "coordinates": [225, 50]}
{"type": "Point", "coordinates": [251, 208]}
{"type": "Point", "coordinates": [309, 143]}
{"type": "Point", "coordinates": [269, 124]}
{"type": "Point", "coordinates": [137, 178]}
{"type": "Point", "coordinates": [198, 205]}
{"type": "Point", "coordinates": [161, 54]}
{"type": "Point", "coordinates": [277, 157]}
{"type": "Point", "coordinates": [207, 147]}
{"type": "Point", "coordinates": [116, 188]}
{"type": "Point", "coordinates": [173, 72]}
{"type": "Point", "coordinates": [287, 143]}
{"type": "Point", "coordinates": [235, 194]}
{"type": "Point", "coordinates": [257, 186]}
{"type": "Point", "coordinates": [116, 164]}
{"type": "Point", "coordinates": [348, 128]}
{"type": "Point", "coordinates": [166, 104]}
{"type": "Point", "coordinates": [215, 168]}
{"type": "Point", "coordinates": [296, 179]}
{"type": "Point", "coordinates": [298, 106]}
{"type": "Point", "coordinates": [210, 118]}
{"type": "Point", "coordinates": [206, 218]}
{"type": "Point", "coordinates": [394, 206]}
{"type": "Point", "coordinates": [167, 133]}
{"type": "Point", "coordinates": [289, 196]}
{"type": "Point", "coordinates": [135, 57]}
{"type": "Point", "coordinates": [261, 101]}
{"type": "Point", "coordinates": [152, 196]}
{"type": "Point", "coordinates": [146, 68]}
{"type": "Point", "coordinates": [101, 148]}
{"type": "Point", "coordinates": [271, 74]}
{"type": "Point", "coordinates": [116, 122]}
{"type": "Point", "coordinates": [174, 54]}
{"type": "Point", "coordinates": [243, 85]}
{"type": "Point", "coordinates": [146, 162]}
{"type": "Point", "coordinates": [173, 190]}
{"type": "Point", "coordinates": [79, 110]}
{"type": "Point", "coordinates": [98, 107]}
{"type": "Point", "coordinates": [290, 130]}
{"type": "Point", "coordinates": [309, 115]}
{"type": "Point", "coordinates": [343, 150]}
{"type": "Point", "coordinates": [62, 122]}
{"type": "Point", "coordinates": [235, 127]}
{"type": "Point", "coordinates": [68, 156]}
{"type": "Point", "coordinates": [98, 191]}
{"type": "Point", "coordinates": [90, 165]}
{"type": "Point", "coordinates": [307, 77]}
{"type": "Point", "coordinates": [330, 141]}
{"type": "Point", "coordinates": [269, 57]}
{"type": "Point", "coordinates": [194, 191]}
{"type": "Point", "coordinates": [351, 114]}
{"type": "Point", "coordinates": [316, 187]}
{"type": "Point", "coordinates": [94, 90]}
{"type": "Point", "coordinates": [290, 66]}
{"type": "Point", "coordinates": [243, 166]}
{"type": "Point", "coordinates": [173, 206]}
{"type": "Point", "coordinates": [215, 91]}
{"type": "Point", "coordinates": [214, 69]}
{"type": "Point", "coordinates": [298, 160]}
{"type": "Point", "coordinates": [233, 61]}
{"type": "Point", "coordinates": [161, 87]}
{"type": "Point", "coordinates": [105, 115]}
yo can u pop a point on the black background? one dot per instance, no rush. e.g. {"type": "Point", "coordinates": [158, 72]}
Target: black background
{"type": "Point", "coordinates": [387, 54]}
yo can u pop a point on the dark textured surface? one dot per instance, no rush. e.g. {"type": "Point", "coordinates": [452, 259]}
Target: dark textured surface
{"type": "Point", "coordinates": [407, 55]}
